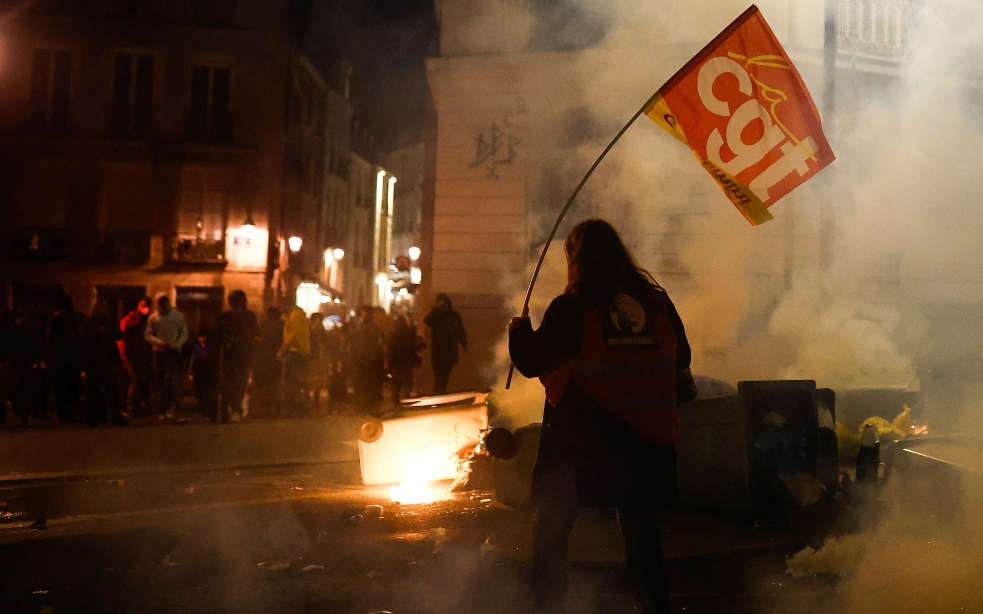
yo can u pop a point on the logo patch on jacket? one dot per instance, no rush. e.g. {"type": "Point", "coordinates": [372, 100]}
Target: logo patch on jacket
{"type": "Point", "coordinates": [628, 324]}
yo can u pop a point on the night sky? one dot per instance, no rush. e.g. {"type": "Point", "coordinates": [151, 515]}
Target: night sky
{"type": "Point", "coordinates": [387, 42]}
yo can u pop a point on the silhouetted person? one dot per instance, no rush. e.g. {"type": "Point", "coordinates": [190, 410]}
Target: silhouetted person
{"type": "Point", "coordinates": [335, 348]}
{"type": "Point", "coordinates": [64, 355]}
{"type": "Point", "coordinates": [318, 368]}
{"type": "Point", "coordinates": [205, 372]}
{"type": "Point", "coordinates": [16, 362]}
{"type": "Point", "coordinates": [266, 368]}
{"type": "Point", "coordinates": [167, 332]}
{"type": "Point", "coordinates": [238, 332]}
{"type": "Point", "coordinates": [293, 354]}
{"type": "Point", "coordinates": [403, 355]}
{"type": "Point", "coordinates": [137, 356]}
{"type": "Point", "coordinates": [39, 381]}
{"type": "Point", "coordinates": [368, 357]}
{"type": "Point", "coordinates": [612, 354]}
{"type": "Point", "coordinates": [99, 335]}
{"type": "Point", "coordinates": [446, 333]}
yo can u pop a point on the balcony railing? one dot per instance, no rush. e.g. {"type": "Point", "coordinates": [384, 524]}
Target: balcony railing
{"type": "Point", "coordinates": [874, 27]}
{"type": "Point", "coordinates": [192, 249]}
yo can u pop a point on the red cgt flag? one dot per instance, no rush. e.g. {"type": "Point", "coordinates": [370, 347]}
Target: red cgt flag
{"type": "Point", "coordinates": [742, 108]}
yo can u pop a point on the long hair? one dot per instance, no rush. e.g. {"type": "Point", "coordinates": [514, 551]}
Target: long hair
{"type": "Point", "coordinates": [599, 265]}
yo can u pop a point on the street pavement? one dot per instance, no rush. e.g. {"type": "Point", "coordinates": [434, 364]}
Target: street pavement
{"type": "Point", "coordinates": [216, 529]}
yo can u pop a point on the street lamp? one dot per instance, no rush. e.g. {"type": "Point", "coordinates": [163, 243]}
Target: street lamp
{"type": "Point", "coordinates": [414, 253]}
{"type": "Point", "coordinates": [295, 243]}
{"type": "Point", "coordinates": [338, 253]}
{"type": "Point", "coordinates": [381, 278]}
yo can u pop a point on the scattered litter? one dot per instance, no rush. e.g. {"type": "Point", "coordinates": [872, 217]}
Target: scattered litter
{"type": "Point", "coordinates": [297, 488]}
{"type": "Point", "coordinates": [486, 500]}
{"type": "Point", "coordinates": [238, 472]}
{"type": "Point", "coordinates": [372, 575]}
{"type": "Point", "coordinates": [273, 565]}
{"type": "Point", "coordinates": [357, 518]}
{"type": "Point", "coordinates": [837, 556]}
{"type": "Point", "coordinates": [487, 546]}
{"type": "Point", "coordinates": [40, 524]}
{"type": "Point", "coordinates": [189, 490]}
{"type": "Point", "coordinates": [373, 511]}
{"type": "Point", "coordinates": [438, 537]}
{"type": "Point", "coordinates": [313, 568]}
{"type": "Point", "coordinates": [169, 562]}
{"type": "Point", "coordinates": [182, 420]}
{"type": "Point", "coordinates": [40, 592]}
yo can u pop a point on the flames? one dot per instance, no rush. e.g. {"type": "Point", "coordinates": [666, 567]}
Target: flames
{"type": "Point", "coordinates": [422, 468]}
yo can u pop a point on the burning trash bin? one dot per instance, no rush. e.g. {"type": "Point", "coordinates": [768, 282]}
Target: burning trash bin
{"type": "Point", "coordinates": [419, 444]}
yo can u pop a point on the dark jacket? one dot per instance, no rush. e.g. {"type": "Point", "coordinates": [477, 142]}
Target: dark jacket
{"type": "Point", "coordinates": [98, 335]}
{"type": "Point", "coordinates": [238, 334]}
{"type": "Point", "coordinates": [403, 350]}
{"type": "Point", "coordinates": [586, 451]}
{"type": "Point", "coordinates": [446, 333]}
{"type": "Point", "coordinates": [63, 337]}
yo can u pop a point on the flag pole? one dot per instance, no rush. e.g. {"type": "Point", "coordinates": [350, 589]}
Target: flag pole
{"type": "Point", "coordinates": [563, 212]}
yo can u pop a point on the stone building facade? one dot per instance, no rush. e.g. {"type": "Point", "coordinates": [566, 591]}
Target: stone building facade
{"type": "Point", "coordinates": [138, 137]}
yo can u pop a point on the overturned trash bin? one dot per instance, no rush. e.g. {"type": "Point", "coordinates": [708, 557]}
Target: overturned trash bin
{"type": "Point", "coordinates": [419, 443]}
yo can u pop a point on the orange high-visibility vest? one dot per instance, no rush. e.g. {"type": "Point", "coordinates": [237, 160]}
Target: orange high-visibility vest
{"type": "Point", "coordinates": [628, 364]}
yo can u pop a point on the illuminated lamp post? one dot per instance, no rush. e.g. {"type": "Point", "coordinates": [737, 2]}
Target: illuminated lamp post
{"type": "Point", "coordinates": [414, 253]}
{"type": "Point", "coordinates": [295, 243]}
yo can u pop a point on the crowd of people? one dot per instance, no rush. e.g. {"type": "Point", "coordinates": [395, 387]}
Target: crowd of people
{"type": "Point", "coordinates": [95, 369]}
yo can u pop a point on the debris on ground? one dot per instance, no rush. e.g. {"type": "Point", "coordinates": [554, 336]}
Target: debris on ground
{"type": "Point", "coordinates": [40, 593]}
{"type": "Point", "coordinates": [169, 562]}
{"type": "Point", "coordinates": [438, 537]}
{"type": "Point", "coordinates": [313, 568]}
{"type": "Point", "coordinates": [357, 518]}
{"type": "Point", "coordinates": [372, 575]}
{"type": "Point", "coordinates": [273, 565]}
{"type": "Point", "coordinates": [40, 524]}
{"type": "Point", "coordinates": [373, 511]}
{"type": "Point", "coordinates": [837, 556]}
{"type": "Point", "coordinates": [189, 490]}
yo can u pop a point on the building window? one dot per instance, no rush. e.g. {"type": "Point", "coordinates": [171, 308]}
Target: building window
{"type": "Point", "coordinates": [211, 92]}
{"type": "Point", "coordinates": [133, 94]}
{"type": "Point", "coordinates": [51, 80]}
{"type": "Point", "coordinates": [874, 27]}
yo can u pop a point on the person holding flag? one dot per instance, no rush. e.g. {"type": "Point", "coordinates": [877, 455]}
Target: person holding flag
{"type": "Point", "coordinates": [613, 356]}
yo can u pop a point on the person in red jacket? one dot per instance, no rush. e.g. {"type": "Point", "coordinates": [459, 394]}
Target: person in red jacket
{"type": "Point", "coordinates": [612, 353]}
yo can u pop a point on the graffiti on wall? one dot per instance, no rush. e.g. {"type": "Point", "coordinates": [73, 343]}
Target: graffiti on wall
{"type": "Point", "coordinates": [498, 144]}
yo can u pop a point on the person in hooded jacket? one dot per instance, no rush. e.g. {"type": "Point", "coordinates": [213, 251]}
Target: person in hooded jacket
{"type": "Point", "coordinates": [612, 354]}
{"type": "Point", "coordinates": [446, 334]}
